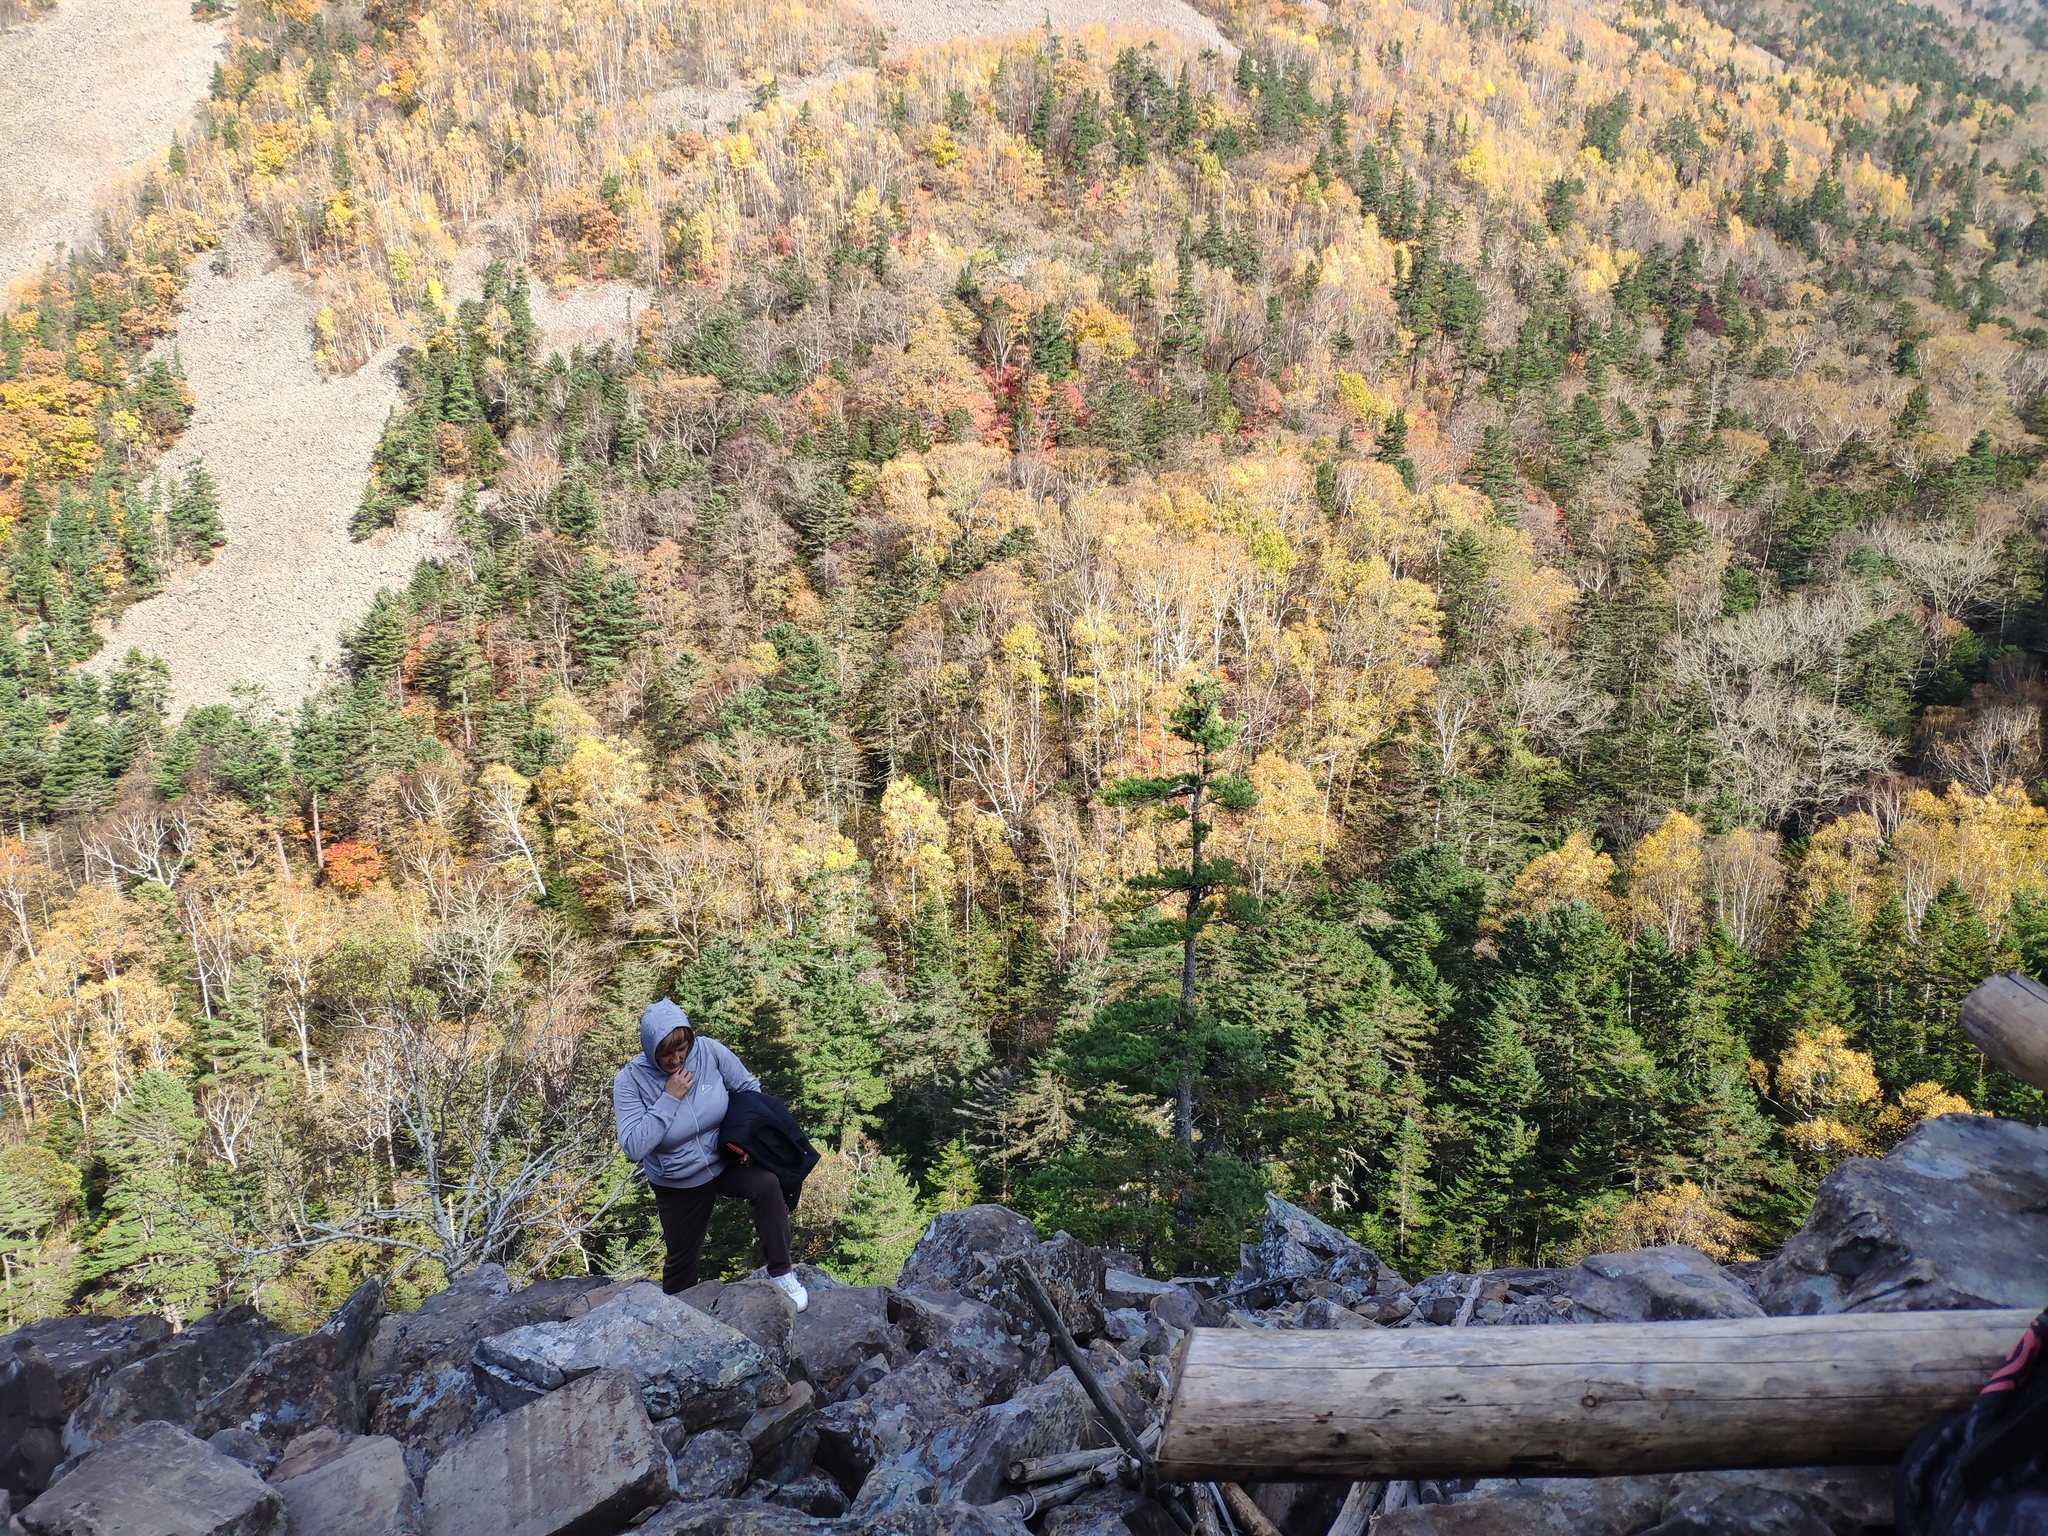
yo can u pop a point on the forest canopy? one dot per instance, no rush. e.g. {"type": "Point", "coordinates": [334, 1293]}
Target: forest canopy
{"type": "Point", "coordinates": [1438, 610]}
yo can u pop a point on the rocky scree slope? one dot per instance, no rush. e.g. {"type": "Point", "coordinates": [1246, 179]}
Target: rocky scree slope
{"type": "Point", "coordinates": [584, 1407]}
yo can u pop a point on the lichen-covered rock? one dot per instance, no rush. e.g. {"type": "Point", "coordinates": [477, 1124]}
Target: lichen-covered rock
{"type": "Point", "coordinates": [156, 1480]}
{"type": "Point", "coordinates": [846, 1442]}
{"type": "Point", "coordinates": [84, 1351]}
{"type": "Point", "coordinates": [240, 1445]}
{"type": "Point", "coordinates": [1846, 1499]}
{"type": "Point", "coordinates": [1099, 1512]}
{"type": "Point", "coordinates": [360, 1487]}
{"type": "Point", "coordinates": [970, 1458]}
{"type": "Point", "coordinates": [418, 1386]}
{"type": "Point", "coordinates": [31, 1418]}
{"type": "Point", "coordinates": [302, 1383]}
{"type": "Point", "coordinates": [689, 1365]}
{"type": "Point", "coordinates": [1293, 1245]}
{"type": "Point", "coordinates": [732, 1517]}
{"type": "Point", "coordinates": [957, 1517]}
{"type": "Point", "coordinates": [1554, 1506]}
{"type": "Point", "coordinates": [840, 1331]}
{"type": "Point", "coordinates": [1956, 1215]}
{"type": "Point", "coordinates": [813, 1493]}
{"type": "Point", "coordinates": [169, 1384]}
{"type": "Point", "coordinates": [1651, 1285]}
{"type": "Point", "coordinates": [758, 1310]}
{"type": "Point", "coordinates": [584, 1458]}
{"type": "Point", "coordinates": [953, 1247]}
{"type": "Point", "coordinates": [713, 1465]}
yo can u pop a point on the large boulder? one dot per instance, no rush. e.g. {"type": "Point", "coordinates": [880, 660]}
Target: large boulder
{"type": "Point", "coordinates": [417, 1382]}
{"type": "Point", "coordinates": [156, 1480]}
{"type": "Point", "coordinates": [302, 1383]}
{"type": "Point", "coordinates": [170, 1384]}
{"type": "Point", "coordinates": [1552, 1506]}
{"type": "Point", "coordinates": [713, 1465]}
{"type": "Point", "coordinates": [948, 1382]}
{"type": "Point", "coordinates": [1654, 1285]}
{"type": "Point", "coordinates": [1956, 1215]}
{"type": "Point", "coordinates": [842, 1329]}
{"type": "Point", "coordinates": [688, 1365]}
{"type": "Point", "coordinates": [84, 1351]}
{"type": "Point", "coordinates": [733, 1517]}
{"type": "Point", "coordinates": [1293, 1245]}
{"type": "Point", "coordinates": [584, 1458]}
{"type": "Point", "coordinates": [31, 1418]}
{"type": "Point", "coordinates": [970, 1457]}
{"type": "Point", "coordinates": [954, 1246]}
{"type": "Point", "coordinates": [358, 1485]}
{"type": "Point", "coordinates": [1845, 1500]}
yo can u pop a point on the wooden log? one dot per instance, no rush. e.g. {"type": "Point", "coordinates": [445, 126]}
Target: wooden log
{"type": "Point", "coordinates": [1043, 1469]}
{"type": "Point", "coordinates": [2007, 1015]}
{"type": "Point", "coordinates": [1599, 1399]}
{"type": "Point", "coordinates": [1251, 1520]}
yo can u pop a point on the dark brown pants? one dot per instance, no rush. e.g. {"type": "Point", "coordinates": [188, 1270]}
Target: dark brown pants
{"type": "Point", "coordinates": [686, 1216]}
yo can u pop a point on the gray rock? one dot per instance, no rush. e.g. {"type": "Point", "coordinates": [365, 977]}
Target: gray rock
{"type": "Point", "coordinates": [84, 1351]}
{"type": "Point", "coordinates": [846, 1442]}
{"type": "Point", "coordinates": [583, 1458]}
{"type": "Point", "coordinates": [732, 1517]}
{"type": "Point", "coordinates": [772, 1425]}
{"type": "Point", "coordinates": [949, 1382]}
{"type": "Point", "coordinates": [759, 1311]}
{"type": "Point", "coordinates": [811, 1494]}
{"type": "Point", "coordinates": [31, 1418]}
{"type": "Point", "coordinates": [1126, 1325]}
{"type": "Point", "coordinates": [1325, 1313]}
{"type": "Point", "coordinates": [1293, 1245]}
{"type": "Point", "coordinates": [362, 1489]}
{"type": "Point", "coordinates": [240, 1445]}
{"type": "Point", "coordinates": [843, 1328]}
{"type": "Point", "coordinates": [1748, 1511]}
{"type": "Point", "coordinates": [169, 1384]}
{"type": "Point", "coordinates": [304, 1382]}
{"type": "Point", "coordinates": [1180, 1307]}
{"type": "Point", "coordinates": [971, 1457]}
{"type": "Point", "coordinates": [959, 1518]}
{"type": "Point", "coordinates": [1099, 1512]}
{"type": "Point", "coordinates": [891, 1491]}
{"type": "Point", "coordinates": [713, 1465]}
{"type": "Point", "coordinates": [156, 1480]}
{"type": "Point", "coordinates": [1956, 1215]}
{"type": "Point", "coordinates": [1120, 1288]}
{"type": "Point", "coordinates": [1557, 1506]}
{"type": "Point", "coordinates": [1651, 1285]}
{"type": "Point", "coordinates": [952, 1249]}
{"type": "Point", "coordinates": [1850, 1500]}
{"type": "Point", "coordinates": [688, 1364]}
{"type": "Point", "coordinates": [417, 1383]}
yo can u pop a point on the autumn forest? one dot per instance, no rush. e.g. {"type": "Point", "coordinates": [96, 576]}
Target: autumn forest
{"type": "Point", "coordinates": [1438, 609]}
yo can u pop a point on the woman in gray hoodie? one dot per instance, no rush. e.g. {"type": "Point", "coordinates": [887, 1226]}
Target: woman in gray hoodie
{"type": "Point", "coordinates": [669, 1102]}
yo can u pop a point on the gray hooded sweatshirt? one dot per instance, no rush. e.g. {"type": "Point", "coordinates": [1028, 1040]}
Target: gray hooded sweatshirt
{"type": "Point", "coordinates": [675, 1141]}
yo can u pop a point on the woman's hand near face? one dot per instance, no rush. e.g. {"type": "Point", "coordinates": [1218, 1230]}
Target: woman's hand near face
{"type": "Point", "coordinates": [680, 1082]}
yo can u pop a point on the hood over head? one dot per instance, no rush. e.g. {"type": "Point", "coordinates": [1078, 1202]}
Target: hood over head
{"type": "Point", "coordinates": [660, 1020]}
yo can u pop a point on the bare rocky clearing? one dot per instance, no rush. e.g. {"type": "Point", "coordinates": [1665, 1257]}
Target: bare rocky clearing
{"type": "Point", "coordinates": [916, 24]}
{"type": "Point", "coordinates": [290, 452]}
{"type": "Point", "coordinates": [87, 92]}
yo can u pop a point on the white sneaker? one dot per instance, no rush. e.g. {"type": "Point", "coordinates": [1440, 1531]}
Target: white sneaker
{"type": "Point", "coordinates": [793, 1288]}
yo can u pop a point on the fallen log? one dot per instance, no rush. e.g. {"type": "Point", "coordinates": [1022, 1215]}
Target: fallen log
{"type": "Point", "coordinates": [2007, 1015]}
{"type": "Point", "coordinates": [1598, 1400]}
{"type": "Point", "coordinates": [1043, 1469]}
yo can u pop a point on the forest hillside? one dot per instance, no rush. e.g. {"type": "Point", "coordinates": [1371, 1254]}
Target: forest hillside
{"type": "Point", "coordinates": [1435, 609]}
